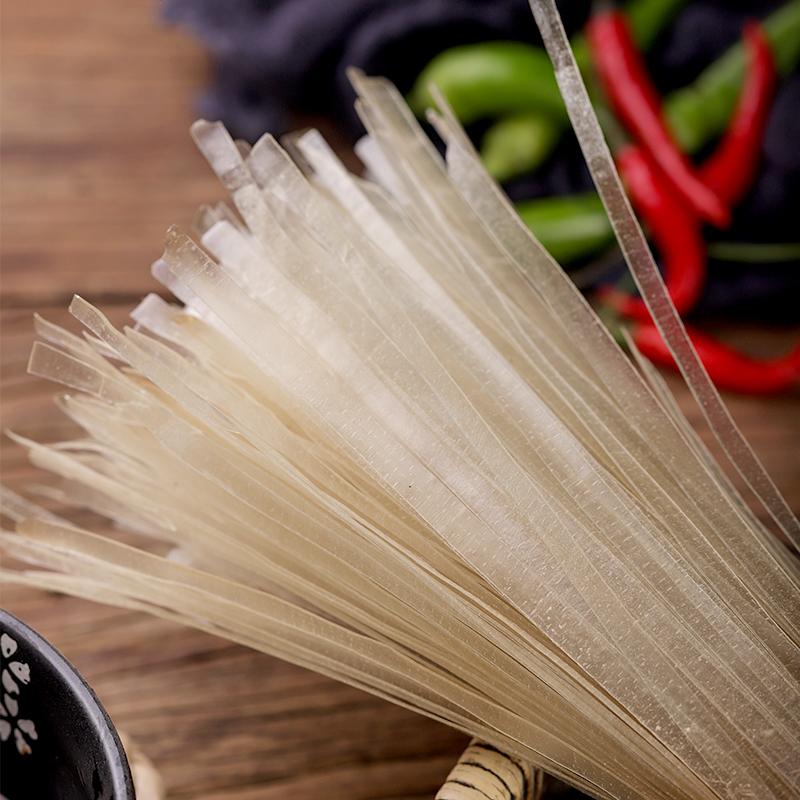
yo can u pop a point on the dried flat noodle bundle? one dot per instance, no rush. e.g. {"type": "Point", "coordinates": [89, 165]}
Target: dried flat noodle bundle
{"type": "Point", "coordinates": [383, 437]}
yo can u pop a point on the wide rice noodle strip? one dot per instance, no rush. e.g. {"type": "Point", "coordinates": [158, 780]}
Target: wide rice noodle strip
{"type": "Point", "coordinates": [171, 506]}
{"type": "Point", "coordinates": [575, 563]}
{"type": "Point", "coordinates": [272, 625]}
{"type": "Point", "coordinates": [754, 558]}
{"type": "Point", "coordinates": [713, 627]}
{"type": "Point", "coordinates": [657, 482]}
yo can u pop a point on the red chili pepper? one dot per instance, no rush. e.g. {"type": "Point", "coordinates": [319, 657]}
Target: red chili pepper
{"type": "Point", "coordinates": [731, 169]}
{"type": "Point", "coordinates": [727, 367]}
{"type": "Point", "coordinates": [676, 232]}
{"type": "Point", "coordinates": [635, 99]}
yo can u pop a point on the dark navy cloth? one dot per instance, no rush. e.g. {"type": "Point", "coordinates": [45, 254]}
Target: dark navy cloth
{"type": "Point", "coordinates": [276, 60]}
{"type": "Point", "coordinates": [276, 57]}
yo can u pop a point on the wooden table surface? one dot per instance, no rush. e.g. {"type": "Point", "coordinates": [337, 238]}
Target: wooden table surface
{"type": "Point", "coordinates": [96, 164]}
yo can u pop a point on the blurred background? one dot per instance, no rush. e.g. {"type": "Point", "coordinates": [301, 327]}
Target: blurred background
{"type": "Point", "coordinates": [275, 65]}
{"type": "Point", "coordinates": [97, 99]}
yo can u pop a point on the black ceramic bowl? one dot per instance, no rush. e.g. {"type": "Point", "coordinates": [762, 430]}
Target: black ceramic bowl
{"type": "Point", "coordinates": [56, 739]}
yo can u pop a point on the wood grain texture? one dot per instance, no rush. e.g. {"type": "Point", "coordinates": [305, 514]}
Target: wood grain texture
{"type": "Point", "coordinates": [97, 163]}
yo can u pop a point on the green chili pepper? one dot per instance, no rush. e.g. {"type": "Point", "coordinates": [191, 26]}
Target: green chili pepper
{"type": "Point", "coordinates": [518, 144]}
{"type": "Point", "coordinates": [492, 79]}
{"type": "Point", "coordinates": [515, 82]}
{"type": "Point", "coordinates": [646, 18]}
{"type": "Point", "coordinates": [569, 226]}
{"type": "Point", "coordinates": [700, 111]}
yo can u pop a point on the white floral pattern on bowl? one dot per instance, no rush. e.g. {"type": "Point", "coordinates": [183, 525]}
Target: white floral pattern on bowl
{"type": "Point", "coordinates": [15, 675]}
